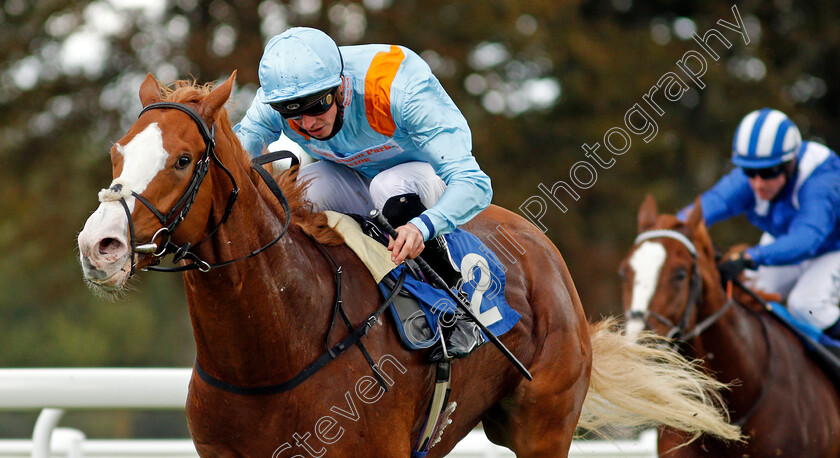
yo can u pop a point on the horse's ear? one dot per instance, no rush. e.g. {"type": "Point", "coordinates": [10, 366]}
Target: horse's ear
{"type": "Point", "coordinates": [647, 214]}
{"type": "Point", "coordinates": [150, 91]}
{"type": "Point", "coordinates": [695, 216]}
{"type": "Point", "coordinates": [216, 99]}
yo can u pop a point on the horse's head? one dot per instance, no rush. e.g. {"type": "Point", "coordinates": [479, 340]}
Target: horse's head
{"type": "Point", "coordinates": [664, 273]}
{"type": "Point", "coordinates": [156, 194]}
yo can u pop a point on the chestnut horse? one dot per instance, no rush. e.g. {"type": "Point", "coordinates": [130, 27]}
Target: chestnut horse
{"type": "Point", "coordinates": [785, 404]}
{"type": "Point", "coordinates": [259, 321]}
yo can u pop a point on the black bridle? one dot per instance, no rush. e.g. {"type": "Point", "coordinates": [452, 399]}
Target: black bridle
{"type": "Point", "coordinates": [178, 212]}
{"type": "Point", "coordinates": [678, 331]}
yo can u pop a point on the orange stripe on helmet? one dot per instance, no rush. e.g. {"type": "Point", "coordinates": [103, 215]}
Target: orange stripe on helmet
{"type": "Point", "coordinates": [378, 81]}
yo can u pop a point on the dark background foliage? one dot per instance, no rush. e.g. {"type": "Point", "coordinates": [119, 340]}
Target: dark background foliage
{"type": "Point", "coordinates": [535, 79]}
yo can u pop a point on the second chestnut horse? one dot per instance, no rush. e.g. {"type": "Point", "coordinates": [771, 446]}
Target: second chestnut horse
{"type": "Point", "coordinates": [784, 402]}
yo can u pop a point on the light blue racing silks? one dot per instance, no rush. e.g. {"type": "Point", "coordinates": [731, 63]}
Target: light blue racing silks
{"type": "Point", "coordinates": [395, 111]}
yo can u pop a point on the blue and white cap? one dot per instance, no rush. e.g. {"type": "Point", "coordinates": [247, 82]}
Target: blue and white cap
{"type": "Point", "coordinates": [300, 61]}
{"type": "Point", "coordinates": [765, 138]}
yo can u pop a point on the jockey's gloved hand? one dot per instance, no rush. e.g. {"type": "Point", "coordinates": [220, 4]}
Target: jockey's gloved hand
{"type": "Point", "coordinates": [734, 265]}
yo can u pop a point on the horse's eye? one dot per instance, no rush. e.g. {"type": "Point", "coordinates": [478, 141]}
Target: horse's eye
{"type": "Point", "coordinates": [680, 275]}
{"type": "Point", "coordinates": [622, 273]}
{"type": "Point", "coordinates": [183, 162]}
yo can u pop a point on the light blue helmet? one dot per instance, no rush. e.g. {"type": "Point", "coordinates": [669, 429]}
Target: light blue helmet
{"type": "Point", "coordinates": [300, 61]}
{"type": "Point", "coordinates": [765, 138]}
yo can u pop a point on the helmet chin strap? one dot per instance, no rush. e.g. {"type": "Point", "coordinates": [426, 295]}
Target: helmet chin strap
{"type": "Point", "coordinates": [339, 121]}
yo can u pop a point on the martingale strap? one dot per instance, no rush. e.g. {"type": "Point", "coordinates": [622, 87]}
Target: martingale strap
{"type": "Point", "coordinates": [338, 308]}
{"type": "Point", "coordinates": [354, 338]}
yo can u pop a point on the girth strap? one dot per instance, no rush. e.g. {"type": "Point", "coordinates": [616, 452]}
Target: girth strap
{"type": "Point", "coordinates": [345, 344]}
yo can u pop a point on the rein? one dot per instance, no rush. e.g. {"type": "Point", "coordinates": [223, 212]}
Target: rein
{"type": "Point", "coordinates": [678, 332]}
{"type": "Point", "coordinates": [183, 252]}
{"type": "Point", "coordinates": [771, 366]}
{"type": "Point", "coordinates": [178, 212]}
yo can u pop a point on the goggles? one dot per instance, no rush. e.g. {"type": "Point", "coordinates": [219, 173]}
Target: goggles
{"type": "Point", "coordinates": [767, 173]}
{"type": "Point", "coordinates": [312, 105]}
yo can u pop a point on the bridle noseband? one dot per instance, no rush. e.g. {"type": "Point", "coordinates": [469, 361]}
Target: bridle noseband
{"type": "Point", "coordinates": [178, 212]}
{"type": "Point", "coordinates": [677, 331]}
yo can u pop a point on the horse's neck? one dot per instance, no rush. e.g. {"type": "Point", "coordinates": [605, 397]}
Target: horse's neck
{"type": "Point", "coordinates": [244, 313]}
{"type": "Point", "coordinates": [734, 348]}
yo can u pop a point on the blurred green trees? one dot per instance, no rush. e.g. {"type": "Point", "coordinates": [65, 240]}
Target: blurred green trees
{"type": "Point", "coordinates": [535, 79]}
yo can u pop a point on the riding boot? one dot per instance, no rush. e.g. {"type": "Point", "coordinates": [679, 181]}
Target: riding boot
{"type": "Point", "coordinates": [459, 338]}
{"type": "Point", "coordinates": [399, 210]}
{"type": "Point", "coordinates": [436, 254]}
{"type": "Point", "coordinates": [462, 336]}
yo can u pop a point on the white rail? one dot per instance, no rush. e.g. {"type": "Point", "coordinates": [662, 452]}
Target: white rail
{"type": "Point", "coordinates": [53, 390]}
{"type": "Point", "coordinates": [93, 388]}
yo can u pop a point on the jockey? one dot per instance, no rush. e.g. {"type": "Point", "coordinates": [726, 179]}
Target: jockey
{"type": "Point", "coordinates": [388, 137]}
{"type": "Point", "coordinates": [790, 189]}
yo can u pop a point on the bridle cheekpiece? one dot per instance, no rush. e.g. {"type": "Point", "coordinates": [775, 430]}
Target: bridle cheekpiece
{"type": "Point", "coordinates": [170, 221]}
{"type": "Point", "coordinates": [677, 330]}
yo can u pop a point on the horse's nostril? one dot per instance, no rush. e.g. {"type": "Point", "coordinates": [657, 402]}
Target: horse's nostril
{"type": "Point", "coordinates": [109, 245]}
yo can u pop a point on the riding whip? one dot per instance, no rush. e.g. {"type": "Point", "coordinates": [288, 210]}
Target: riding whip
{"type": "Point", "coordinates": [438, 282]}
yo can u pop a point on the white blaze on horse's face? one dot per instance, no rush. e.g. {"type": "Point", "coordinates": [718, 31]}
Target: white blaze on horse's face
{"type": "Point", "coordinates": [143, 158]}
{"type": "Point", "coordinates": [646, 262]}
{"type": "Point", "coordinates": [103, 243]}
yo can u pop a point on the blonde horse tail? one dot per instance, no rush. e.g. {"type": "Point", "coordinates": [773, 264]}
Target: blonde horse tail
{"type": "Point", "coordinates": [641, 383]}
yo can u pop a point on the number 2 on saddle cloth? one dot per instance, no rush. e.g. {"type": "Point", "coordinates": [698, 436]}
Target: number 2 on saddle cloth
{"type": "Point", "coordinates": [483, 284]}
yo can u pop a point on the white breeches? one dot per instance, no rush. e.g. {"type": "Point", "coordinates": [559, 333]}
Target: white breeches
{"type": "Point", "coordinates": [811, 288]}
{"type": "Point", "coordinates": [339, 188]}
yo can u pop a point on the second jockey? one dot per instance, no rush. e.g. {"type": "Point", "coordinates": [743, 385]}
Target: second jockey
{"type": "Point", "coordinates": [790, 189]}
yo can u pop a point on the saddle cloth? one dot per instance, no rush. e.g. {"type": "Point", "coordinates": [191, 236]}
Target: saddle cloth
{"type": "Point", "coordinates": [828, 356]}
{"type": "Point", "coordinates": [483, 278]}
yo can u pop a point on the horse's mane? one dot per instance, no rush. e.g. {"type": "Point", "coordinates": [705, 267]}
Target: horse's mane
{"type": "Point", "coordinates": [703, 242]}
{"type": "Point", "coordinates": [314, 224]}
{"type": "Point", "coordinates": [311, 223]}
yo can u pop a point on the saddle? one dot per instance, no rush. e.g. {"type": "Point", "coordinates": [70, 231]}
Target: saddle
{"type": "Point", "coordinates": [420, 310]}
{"type": "Point", "coordinates": [369, 242]}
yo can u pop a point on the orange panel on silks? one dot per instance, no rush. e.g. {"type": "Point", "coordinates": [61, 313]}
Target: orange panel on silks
{"type": "Point", "coordinates": [383, 68]}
